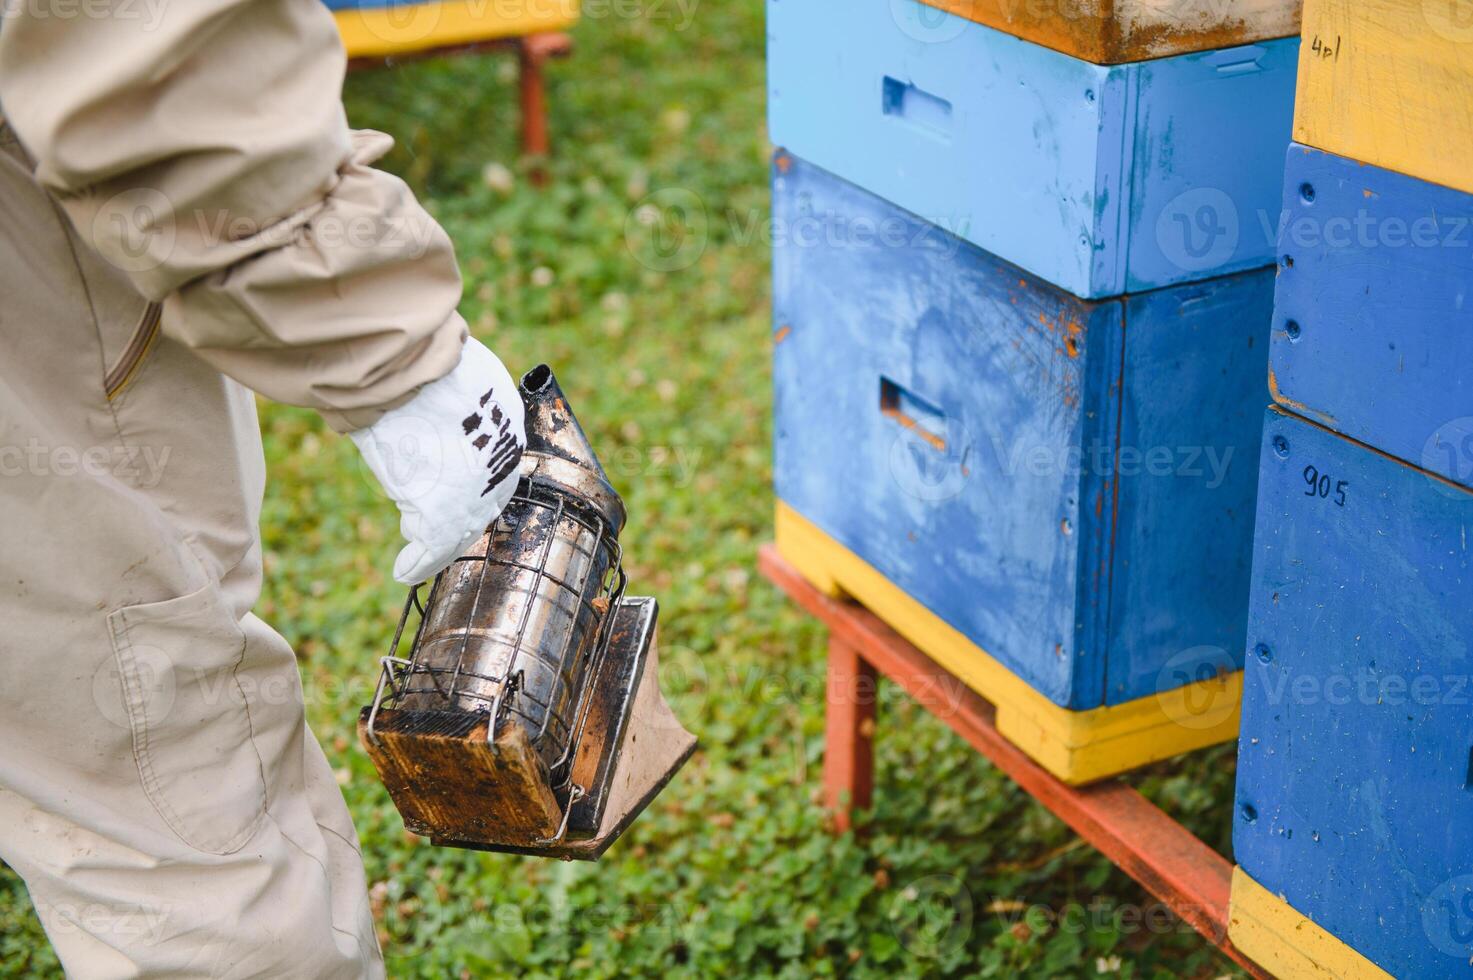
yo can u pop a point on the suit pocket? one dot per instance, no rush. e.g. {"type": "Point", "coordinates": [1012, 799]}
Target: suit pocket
{"type": "Point", "coordinates": [189, 717]}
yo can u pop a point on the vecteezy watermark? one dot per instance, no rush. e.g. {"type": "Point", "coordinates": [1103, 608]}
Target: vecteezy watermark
{"type": "Point", "coordinates": [810, 228]}
{"type": "Point", "coordinates": [936, 463]}
{"type": "Point", "coordinates": [428, 903]}
{"type": "Point", "coordinates": [932, 916]}
{"type": "Point", "coordinates": [930, 465]}
{"type": "Point", "coordinates": [1366, 686]}
{"type": "Point", "coordinates": [928, 23]}
{"type": "Point", "coordinates": [941, 693]}
{"type": "Point", "coordinates": [1210, 464]}
{"type": "Point", "coordinates": [150, 12]}
{"type": "Point", "coordinates": [139, 466]}
{"type": "Point", "coordinates": [139, 229]}
{"type": "Point", "coordinates": [670, 229]}
{"type": "Point", "coordinates": [136, 229]}
{"type": "Point", "coordinates": [681, 463]}
{"type": "Point", "coordinates": [1098, 915]}
{"type": "Point", "coordinates": [1449, 451]}
{"type": "Point", "coordinates": [685, 682]}
{"type": "Point", "coordinates": [682, 13]}
{"type": "Point", "coordinates": [411, 455]}
{"type": "Point", "coordinates": [148, 684]}
{"type": "Point", "coordinates": [132, 925]}
{"type": "Point", "coordinates": [1366, 230]}
{"type": "Point", "coordinates": [1198, 229]}
{"type": "Point", "coordinates": [1447, 918]}
{"type": "Point", "coordinates": [1451, 20]}
{"type": "Point", "coordinates": [1194, 687]}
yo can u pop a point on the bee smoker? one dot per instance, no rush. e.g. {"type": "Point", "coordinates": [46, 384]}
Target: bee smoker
{"type": "Point", "coordinates": [527, 716]}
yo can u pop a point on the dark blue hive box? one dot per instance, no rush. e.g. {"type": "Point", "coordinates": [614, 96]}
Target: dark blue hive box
{"type": "Point", "coordinates": [1052, 497]}
{"type": "Point", "coordinates": [1355, 772]}
{"type": "Point", "coordinates": [1373, 332]}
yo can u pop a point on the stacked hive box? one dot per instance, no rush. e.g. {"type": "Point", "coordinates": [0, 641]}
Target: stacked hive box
{"type": "Point", "coordinates": [1021, 308]}
{"type": "Point", "coordinates": [1355, 787]}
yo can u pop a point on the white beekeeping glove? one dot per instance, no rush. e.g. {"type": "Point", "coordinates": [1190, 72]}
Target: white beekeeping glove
{"type": "Point", "coordinates": [448, 457]}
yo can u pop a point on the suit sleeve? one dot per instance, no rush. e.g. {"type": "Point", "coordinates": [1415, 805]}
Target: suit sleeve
{"type": "Point", "coordinates": [203, 150]}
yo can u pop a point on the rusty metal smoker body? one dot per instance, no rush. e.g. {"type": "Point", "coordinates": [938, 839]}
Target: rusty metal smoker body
{"type": "Point", "coordinates": [518, 632]}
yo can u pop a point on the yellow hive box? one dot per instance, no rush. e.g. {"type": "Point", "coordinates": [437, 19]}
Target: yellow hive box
{"type": "Point", "coordinates": [1390, 82]}
{"type": "Point", "coordinates": [375, 30]}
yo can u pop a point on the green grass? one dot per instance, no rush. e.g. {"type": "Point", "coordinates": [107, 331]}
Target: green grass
{"type": "Point", "coordinates": [733, 870]}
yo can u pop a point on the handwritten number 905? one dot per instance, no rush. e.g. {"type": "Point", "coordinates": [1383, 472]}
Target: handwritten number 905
{"type": "Point", "coordinates": [1321, 485]}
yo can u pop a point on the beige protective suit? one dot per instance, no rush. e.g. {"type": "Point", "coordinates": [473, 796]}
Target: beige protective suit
{"type": "Point", "coordinates": [184, 215]}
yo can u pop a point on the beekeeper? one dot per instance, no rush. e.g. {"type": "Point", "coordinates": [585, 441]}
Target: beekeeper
{"type": "Point", "coordinates": [185, 218]}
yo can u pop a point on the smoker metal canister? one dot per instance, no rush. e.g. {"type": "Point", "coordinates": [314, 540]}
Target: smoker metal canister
{"type": "Point", "coordinates": [515, 626]}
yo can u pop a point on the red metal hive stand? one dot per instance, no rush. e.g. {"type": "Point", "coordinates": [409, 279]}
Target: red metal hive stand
{"type": "Point", "coordinates": [1188, 876]}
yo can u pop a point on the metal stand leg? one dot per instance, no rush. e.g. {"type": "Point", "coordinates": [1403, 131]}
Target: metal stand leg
{"type": "Point", "coordinates": [848, 762]}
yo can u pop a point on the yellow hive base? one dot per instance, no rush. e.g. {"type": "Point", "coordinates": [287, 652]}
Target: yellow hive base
{"type": "Point", "coordinates": [1277, 937]}
{"type": "Point", "coordinates": [378, 31]}
{"type": "Point", "coordinates": [1077, 746]}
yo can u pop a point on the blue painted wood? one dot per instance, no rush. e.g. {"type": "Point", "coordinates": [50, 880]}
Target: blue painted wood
{"type": "Point", "coordinates": [1355, 765]}
{"type": "Point", "coordinates": [959, 424]}
{"type": "Point", "coordinates": [1100, 179]}
{"type": "Point", "coordinates": [1374, 317]}
{"type": "Point", "coordinates": [1191, 419]}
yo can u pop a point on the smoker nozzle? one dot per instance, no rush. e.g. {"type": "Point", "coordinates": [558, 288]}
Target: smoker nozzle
{"type": "Point", "coordinates": [558, 451]}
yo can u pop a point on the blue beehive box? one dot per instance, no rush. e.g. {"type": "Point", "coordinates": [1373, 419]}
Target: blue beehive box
{"type": "Point", "coordinates": [1374, 308]}
{"type": "Point", "coordinates": [1100, 179]}
{"type": "Point", "coordinates": [1355, 777]}
{"type": "Point", "coordinates": [1052, 497]}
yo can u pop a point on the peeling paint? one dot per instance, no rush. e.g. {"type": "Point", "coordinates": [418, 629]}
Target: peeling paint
{"type": "Point", "coordinates": [1281, 399]}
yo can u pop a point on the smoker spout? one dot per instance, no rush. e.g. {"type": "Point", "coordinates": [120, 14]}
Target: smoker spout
{"type": "Point", "coordinates": [558, 451]}
{"type": "Point", "coordinates": [552, 428]}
